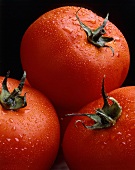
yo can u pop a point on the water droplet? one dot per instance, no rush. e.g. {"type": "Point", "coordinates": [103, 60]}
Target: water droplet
{"type": "Point", "coordinates": [25, 148]}
{"type": "Point", "coordinates": [124, 143]}
{"type": "Point", "coordinates": [62, 118]}
{"type": "Point", "coordinates": [3, 113]}
{"type": "Point", "coordinates": [27, 110]}
{"type": "Point", "coordinates": [16, 139]}
{"type": "Point", "coordinates": [104, 145]}
{"type": "Point", "coordinates": [127, 115]}
{"type": "Point", "coordinates": [93, 21]}
{"type": "Point", "coordinates": [119, 133]}
{"type": "Point", "coordinates": [2, 135]}
{"type": "Point", "coordinates": [75, 22]}
{"type": "Point", "coordinates": [13, 128]}
{"type": "Point", "coordinates": [30, 143]}
{"type": "Point", "coordinates": [128, 135]}
{"type": "Point", "coordinates": [116, 38]}
{"type": "Point", "coordinates": [129, 140]}
{"type": "Point", "coordinates": [117, 54]}
{"type": "Point", "coordinates": [21, 136]}
{"type": "Point", "coordinates": [8, 139]}
{"type": "Point", "coordinates": [67, 29]}
{"type": "Point", "coordinates": [11, 120]}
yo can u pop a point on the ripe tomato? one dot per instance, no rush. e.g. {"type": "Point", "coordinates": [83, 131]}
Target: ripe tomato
{"type": "Point", "coordinates": [29, 136]}
{"type": "Point", "coordinates": [69, 68]}
{"type": "Point", "coordinates": [108, 148]}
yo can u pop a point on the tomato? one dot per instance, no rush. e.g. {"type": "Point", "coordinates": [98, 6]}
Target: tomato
{"type": "Point", "coordinates": [69, 65]}
{"type": "Point", "coordinates": [29, 136]}
{"type": "Point", "coordinates": [87, 147]}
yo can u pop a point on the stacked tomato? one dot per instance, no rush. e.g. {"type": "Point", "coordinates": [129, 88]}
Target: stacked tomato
{"type": "Point", "coordinates": [79, 61]}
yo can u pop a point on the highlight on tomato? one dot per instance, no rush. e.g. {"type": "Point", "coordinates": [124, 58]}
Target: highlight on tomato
{"type": "Point", "coordinates": [69, 49]}
{"type": "Point", "coordinates": [29, 127]}
{"type": "Point", "coordinates": [101, 135]}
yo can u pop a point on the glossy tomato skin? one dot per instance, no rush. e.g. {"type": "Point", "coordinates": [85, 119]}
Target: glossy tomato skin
{"type": "Point", "coordinates": [29, 137]}
{"type": "Point", "coordinates": [112, 148]}
{"type": "Point", "coordinates": [69, 69]}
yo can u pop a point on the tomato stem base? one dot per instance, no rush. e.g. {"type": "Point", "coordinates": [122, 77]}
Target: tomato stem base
{"type": "Point", "coordinates": [13, 100]}
{"type": "Point", "coordinates": [103, 117]}
{"type": "Point", "coordinates": [95, 37]}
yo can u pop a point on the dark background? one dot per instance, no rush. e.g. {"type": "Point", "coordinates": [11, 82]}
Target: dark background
{"type": "Point", "coordinates": [17, 15]}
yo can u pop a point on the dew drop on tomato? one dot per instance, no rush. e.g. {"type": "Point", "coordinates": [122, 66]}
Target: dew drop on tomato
{"type": "Point", "coordinates": [32, 146]}
{"type": "Point", "coordinates": [117, 54]}
{"type": "Point", "coordinates": [14, 128]}
{"type": "Point", "coordinates": [11, 120]}
{"type": "Point", "coordinates": [128, 135]}
{"type": "Point", "coordinates": [27, 111]}
{"type": "Point", "coordinates": [22, 149]}
{"type": "Point", "coordinates": [3, 113]}
{"type": "Point", "coordinates": [21, 136]}
{"type": "Point", "coordinates": [67, 29]}
{"type": "Point", "coordinates": [122, 144]}
{"type": "Point", "coordinates": [8, 139]}
{"type": "Point", "coordinates": [116, 38]}
{"type": "Point", "coordinates": [17, 139]}
{"type": "Point", "coordinates": [93, 21]}
{"type": "Point", "coordinates": [119, 133]}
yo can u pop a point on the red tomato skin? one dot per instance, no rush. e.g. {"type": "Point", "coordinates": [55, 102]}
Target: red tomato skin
{"type": "Point", "coordinates": [69, 69]}
{"type": "Point", "coordinates": [29, 137]}
{"type": "Point", "coordinates": [106, 149]}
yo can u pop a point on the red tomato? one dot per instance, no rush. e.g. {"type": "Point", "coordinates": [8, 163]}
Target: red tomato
{"type": "Point", "coordinates": [108, 148]}
{"type": "Point", "coordinates": [29, 136]}
{"type": "Point", "coordinates": [69, 68]}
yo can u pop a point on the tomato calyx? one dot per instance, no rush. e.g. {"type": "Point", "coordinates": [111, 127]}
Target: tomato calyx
{"type": "Point", "coordinates": [13, 100]}
{"type": "Point", "coordinates": [95, 36]}
{"type": "Point", "coordinates": [103, 117]}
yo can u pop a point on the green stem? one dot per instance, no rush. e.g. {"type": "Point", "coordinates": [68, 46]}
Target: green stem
{"type": "Point", "coordinates": [13, 100]}
{"type": "Point", "coordinates": [95, 37]}
{"type": "Point", "coordinates": [103, 117]}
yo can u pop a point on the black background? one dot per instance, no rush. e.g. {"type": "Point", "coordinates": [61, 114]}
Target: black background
{"type": "Point", "coordinates": [17, 15]}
